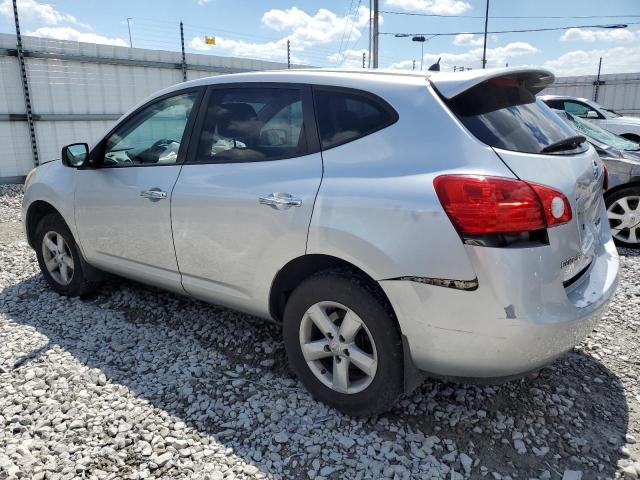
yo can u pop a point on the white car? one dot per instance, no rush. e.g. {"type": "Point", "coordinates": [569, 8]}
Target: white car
{"type": "Point", "coordinates": [392, 223]}
{"type": "Point", "coordinates": [627, 127]}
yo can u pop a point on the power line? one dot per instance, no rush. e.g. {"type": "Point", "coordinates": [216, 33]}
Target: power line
{"type": "Point", "coordinates": [438, 15]}
{"type": "Point", "coordinates": [353, 22]}
{"type": "Point", "coordinates": [445, 34]}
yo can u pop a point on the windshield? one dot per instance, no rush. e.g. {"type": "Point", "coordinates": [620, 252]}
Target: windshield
{"type": "Point", "coordinates": [601, 135]}
{"type": "Point", "coordinates": [503, 114]}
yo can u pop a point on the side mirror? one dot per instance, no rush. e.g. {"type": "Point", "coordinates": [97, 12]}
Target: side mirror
{"type": "Point", "coordinates": [75, 155]}
{"type": "Point", "coordinates": [592, 114]}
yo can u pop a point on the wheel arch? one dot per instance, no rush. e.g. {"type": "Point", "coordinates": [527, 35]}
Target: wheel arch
{"type": "Point", "coordinates": [36, 212]}
{"type": "Point", "coordinates": [634, 137]}
{"type": "Point", "coordinates": [634, 183]}
{"type": "Point", "coordinates": [303, 267]}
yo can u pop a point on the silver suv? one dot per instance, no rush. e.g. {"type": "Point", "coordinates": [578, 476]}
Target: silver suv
{"type": "Point", "coordinates": [395, 224]}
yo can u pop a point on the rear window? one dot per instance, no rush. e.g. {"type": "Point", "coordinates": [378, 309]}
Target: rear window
{"type": "Point", "coordinates": [345, 115]}
{"type": "Point", "coordinates": [503, 114]}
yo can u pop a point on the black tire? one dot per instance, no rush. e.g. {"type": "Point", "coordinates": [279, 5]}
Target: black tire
{"type": "Point", "coordinates": [612, 198]}
{"type": "Point", "coordinates": [79, 284]}
{"type": "Point", "coordinates": [364, 300]}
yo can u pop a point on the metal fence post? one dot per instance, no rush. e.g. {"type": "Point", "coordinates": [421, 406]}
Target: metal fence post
{"type": "Point", "coordinates": [25, 87]}
{"type": "Point", "coordinates": [288, 54]}
{"type": "Point", "coordinates": [184, 60]}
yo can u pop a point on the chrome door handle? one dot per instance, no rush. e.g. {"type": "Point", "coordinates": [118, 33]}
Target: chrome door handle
{"type": "Point", "coordinates": [280, 201]}
{"type": "Point", "coordinates": [153, 194]}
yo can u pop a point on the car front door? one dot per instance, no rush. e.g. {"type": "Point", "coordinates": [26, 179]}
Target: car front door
{"type": "Point", "coordinates": [122, 203]}
{"type": "Point", "coordinates": [243, 201]}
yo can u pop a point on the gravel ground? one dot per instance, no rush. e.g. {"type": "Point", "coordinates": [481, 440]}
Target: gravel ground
{"type": "Point", "coordinates": [138, 383]}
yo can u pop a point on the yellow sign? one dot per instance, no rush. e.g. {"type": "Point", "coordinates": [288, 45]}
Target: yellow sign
{"type": "Point", "coordinates": [210, 40]}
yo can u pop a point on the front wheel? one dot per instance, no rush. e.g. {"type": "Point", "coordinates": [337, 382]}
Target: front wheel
{"type": "Point", "coordinates": [623, 210]}
{"type": "Point", "coordinates": [343, 344]}
{"type": "Point", "coordinates": [59, 258]}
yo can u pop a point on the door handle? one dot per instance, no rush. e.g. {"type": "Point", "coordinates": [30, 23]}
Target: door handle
{"type": "Point", "coordinates": [280, 201]}
{"type": "Point", "coordinates": [153, 194]}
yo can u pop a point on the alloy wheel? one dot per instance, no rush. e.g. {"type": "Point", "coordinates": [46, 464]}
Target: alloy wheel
{"type": "Point", "coordinates": [57, 257]}
{"type": "Point", "coordinates": [624, 219]}
{"type": "Point", "coordinates": [338, 347]}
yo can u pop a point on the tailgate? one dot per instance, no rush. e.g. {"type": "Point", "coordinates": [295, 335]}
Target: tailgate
{"type": "Point", "coordinates": [499, 108]}
{"type": "Point", "coordinates": [579, 177]}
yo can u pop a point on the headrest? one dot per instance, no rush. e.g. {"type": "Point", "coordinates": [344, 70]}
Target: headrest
{"type": "Point", "coordinates": [237, 120]}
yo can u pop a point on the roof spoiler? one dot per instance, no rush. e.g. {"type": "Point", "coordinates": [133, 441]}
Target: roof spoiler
{"type": "Point", "coordinates": [452, 84]}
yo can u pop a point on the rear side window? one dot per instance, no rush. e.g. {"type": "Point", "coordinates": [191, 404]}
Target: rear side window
{"type": "Point", "coordinates": [345, 115]}
{"type": "Point", "coordinates": [503, 114]}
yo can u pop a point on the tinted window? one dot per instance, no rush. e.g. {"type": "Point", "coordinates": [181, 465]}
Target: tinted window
{"type": "Point", "coordinates": [506, 115]}
{"type": "Point", "coordinates": [151, 136]}
{"type": "Point", "coordinates": [252, 124]}
{"type": "Point", "coordinates": [579, 109]}
{"type": "Point", "coordinates": [345, 115]}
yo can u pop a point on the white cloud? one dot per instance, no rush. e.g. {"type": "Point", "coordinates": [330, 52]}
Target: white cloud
{"type": "Point", "coordinates": [33, 10]}
{"type": "Point", "coordinates": [203, 2]}
{"type": "Point", "coordinates": [441, 7]}
{"type": "Point", "coordinates": [304, 32]}
{"type": "Point", "coordinates": [585, 62]}
{"type": "Point", "coordinates": [275, 51]}
{"type": "Point", "coordinates": [71, 34]}
{"type": "Point", "coordinates": [348, 59]}
{"type": "Point", "coordinates": [608, 35]}
{"type": "Point", "coordinates": [468, 39]}
{"type": "Point", "coordinates": [323, 27]}
{"type": "Point", "coordinates": [496, 57]}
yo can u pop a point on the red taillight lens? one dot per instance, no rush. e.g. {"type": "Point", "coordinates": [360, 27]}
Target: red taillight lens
{"type": "Point", "coordinates": [479, 205]}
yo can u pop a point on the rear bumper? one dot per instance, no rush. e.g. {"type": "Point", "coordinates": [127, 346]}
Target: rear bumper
{"type": "Point", "coordinates": [518, 319]}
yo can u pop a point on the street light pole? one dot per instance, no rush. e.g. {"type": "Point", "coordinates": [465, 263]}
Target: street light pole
{"type": "Point", "coordinates": [129, 28]}
{"type": "Point", "coordinates": [421, 39]}
{"type": "Point", "coordinates": [375, 33]}
{"type": "Point", "coordinates": [484, 48]}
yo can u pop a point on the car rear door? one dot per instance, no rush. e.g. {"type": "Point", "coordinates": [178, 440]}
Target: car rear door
{"type": "Point", "coordinates": [243, 201]}
{"type": "Point", "coordinates": [122, 205]}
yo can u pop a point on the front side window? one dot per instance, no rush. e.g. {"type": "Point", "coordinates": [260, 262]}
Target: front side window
{"type": "Point", "coordinates": [151, 136]}
{"type": "Point", "coordinates": [252, 124]}
{"type": "Point", "coordinates": [580, 110]}
{"type": "Point", "coordinates": [345, 115]}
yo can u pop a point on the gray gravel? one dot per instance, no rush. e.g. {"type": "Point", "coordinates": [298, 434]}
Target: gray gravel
{"type": "Point", "coordinates": [138, 383]}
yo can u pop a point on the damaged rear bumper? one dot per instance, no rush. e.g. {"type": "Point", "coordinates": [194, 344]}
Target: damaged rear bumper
{"type": "Point", "coordinates": [518, 319]}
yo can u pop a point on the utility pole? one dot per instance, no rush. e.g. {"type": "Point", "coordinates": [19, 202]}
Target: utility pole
{"type": "Point", "coordinates": [597, 83]}
{"type": "Point", "coordinates": [129, 28]}
{"type": "Point", "coordinates": [288, 54]}
{"type": "Point", "coordinates": [484, 48]}
{"type": "Point", "coordinates": [184, 58]}
{"type": "Point", "coordinates": [375, 33]}
{"type": "Point", "coordinates": [25, 87]}
{"type": "Point", "coordinates": [414, 64]}
{"type": "Point", "coordinates": [370, 21]}
{"type": "Point", "coordinates": [364, 59]}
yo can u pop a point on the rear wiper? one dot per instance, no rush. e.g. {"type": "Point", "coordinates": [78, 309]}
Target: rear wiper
{"type": "Point", "coordinates": [565, 144]}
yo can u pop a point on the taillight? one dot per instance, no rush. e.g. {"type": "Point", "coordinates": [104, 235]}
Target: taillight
{"type": "Point", "coordinates": [480, 205]}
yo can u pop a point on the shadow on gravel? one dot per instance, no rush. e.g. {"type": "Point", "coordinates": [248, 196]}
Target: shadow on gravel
{"type": "Point", "coordinates": [186, 358]}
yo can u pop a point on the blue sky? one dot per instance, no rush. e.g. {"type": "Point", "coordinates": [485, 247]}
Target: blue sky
{"type": "Point", "coordinates": [335, 32]}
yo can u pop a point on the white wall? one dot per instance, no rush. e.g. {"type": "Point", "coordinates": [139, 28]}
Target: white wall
{"type": "Point", "coordinates": [77, 87]}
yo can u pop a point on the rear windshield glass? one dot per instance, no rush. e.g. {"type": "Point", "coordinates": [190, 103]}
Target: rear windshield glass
{"type": "Point", "coordinates": [504, 114]}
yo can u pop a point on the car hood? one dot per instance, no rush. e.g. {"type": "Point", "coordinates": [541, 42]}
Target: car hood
{"type": "Point", "coordinates": [625, 121]}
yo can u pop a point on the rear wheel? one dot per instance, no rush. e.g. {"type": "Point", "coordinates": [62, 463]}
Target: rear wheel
{"type": "Point", "coordinates": [623, 210]}
{"type": "Point", "coordinates": [59, 258]}
{"type": "Point", "coordinates": [343, 344]}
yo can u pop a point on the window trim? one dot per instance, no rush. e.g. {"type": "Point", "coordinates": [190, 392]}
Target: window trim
{"type": "Point", "coordinates": [308, 115]}
{"type": "Point", "coordinates": [357, 92]}
{"type": "Point", "coordinates": [96, 155]}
